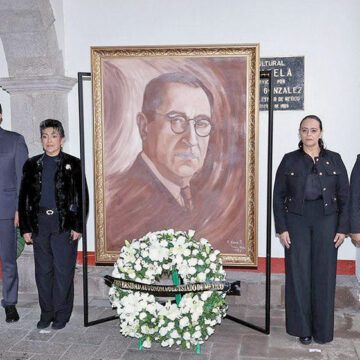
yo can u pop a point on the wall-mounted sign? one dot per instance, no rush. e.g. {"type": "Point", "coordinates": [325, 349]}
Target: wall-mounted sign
{"type": "Point", "coordinates": [288, 80]}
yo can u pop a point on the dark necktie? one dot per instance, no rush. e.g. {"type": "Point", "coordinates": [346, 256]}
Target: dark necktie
{"type": "Point", "coordinates": [186, 195]}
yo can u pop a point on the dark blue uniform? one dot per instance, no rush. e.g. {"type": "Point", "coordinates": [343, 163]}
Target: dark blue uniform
{"type": "Point", "coordinates": [355, 198]}
{"type": "Point", "coordinates": [312, 209]}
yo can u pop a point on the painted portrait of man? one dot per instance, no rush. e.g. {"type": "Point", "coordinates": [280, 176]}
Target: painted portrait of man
{"type": "Point", "coordinates": [175, 149]}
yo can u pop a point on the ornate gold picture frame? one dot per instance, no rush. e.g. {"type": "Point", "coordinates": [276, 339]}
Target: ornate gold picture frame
{"type": "Point", "coordinates": [176, 143]}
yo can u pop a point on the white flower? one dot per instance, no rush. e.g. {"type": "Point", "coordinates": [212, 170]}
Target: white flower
{"type": "Point", "coordinates": [197, 334]}
{"type": "Point", "coordinates": [137, 267]}
{"type": "Point", "coordinates": [152, 237]}
{"type": "Point", "coordinates": [183, 270]}
{"type": "Point", "coordinates": [135, 245]}
{"type": "Point", "coordinates": [205, 295]}
{"type": "Point", "coordinates": [187, 252]}
{"type": "Point", "coordinates": [163, 331]}
{"type": "Point", "coordinates": [181, 240]}
{"type": "Point", "coordinates": [212, 257]}
{"type": "Point", "coordinates": [203, 241]}
{"type": "Point", "coordinates": [192, 262]}
{"type": "Point", "coordinates": [157, 252]}
{"type": "Point", "coordinates": [68, 167]}
{"type": "Point", "coordinates": [184, 321]}
{"type": "Point", "coordinates": [144, 329]}
{"type": "Point", "coordinates": [165, 343]}
{"type": "Point", "coordinates": [178, 260]}
{"type": "Point", "coordinates": [192, 271]}
{"type": "Point", "coordinates": [210, 330]}
{"type": "Point", "coordinates": [112, 291]}
{"type": "Point", "coordinates": [186, 336]}
{"type": "Point", "coordinates": [171, 342]}
{"type": "Point", "coordinates": [201, 277]}
{"type": "Point", "coordinates": [131, 304]}
{"type": "Point", "coordinates": [147, 343]}
{"type": "Point", "coordinates": [174, 334]}
{"type": "Point", "coordinates": [191, 233]}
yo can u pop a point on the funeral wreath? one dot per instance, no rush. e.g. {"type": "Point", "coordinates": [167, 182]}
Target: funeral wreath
{"type": "Point", "coordinates": [191, 320]}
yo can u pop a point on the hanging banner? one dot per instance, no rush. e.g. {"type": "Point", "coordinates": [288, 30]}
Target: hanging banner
{"type": "Point", "coordinates": [288, 81]}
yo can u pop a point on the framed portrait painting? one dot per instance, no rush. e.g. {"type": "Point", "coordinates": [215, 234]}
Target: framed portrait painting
{"type": "Point", "coordinates": [175, 140]}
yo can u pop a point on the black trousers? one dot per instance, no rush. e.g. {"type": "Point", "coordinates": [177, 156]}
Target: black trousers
{"type": "Point", "coordinates": [310, 265]}
{"type": "Point", "coordinates": [55, 259]}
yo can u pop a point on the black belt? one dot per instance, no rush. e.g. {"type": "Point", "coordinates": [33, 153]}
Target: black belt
{"type": "Point", "coordinates": [47, 211]}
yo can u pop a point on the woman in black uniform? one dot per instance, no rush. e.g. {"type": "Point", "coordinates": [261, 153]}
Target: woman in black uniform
{"type": "Point", "coordinates": [311, 216]}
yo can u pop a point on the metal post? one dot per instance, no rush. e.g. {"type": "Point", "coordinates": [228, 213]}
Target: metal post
{"type": "Point", "coordinates": [87, 323]}
{"type": "Point", "coordinates": [267, 74]}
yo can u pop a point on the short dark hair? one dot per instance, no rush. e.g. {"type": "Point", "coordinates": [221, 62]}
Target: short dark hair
{"type": "Point", "coordinates": [51, 123]}
{"type": "Point", "coordinates": [155, 88]}
{"type": "Point", "coordinates": [314, 117]}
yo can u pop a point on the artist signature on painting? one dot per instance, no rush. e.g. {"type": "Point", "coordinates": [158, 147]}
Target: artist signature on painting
{"type": "Point", "coordinates": [236, 245]}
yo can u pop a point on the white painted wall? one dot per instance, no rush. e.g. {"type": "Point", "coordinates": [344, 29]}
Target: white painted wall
{"type": "Point", "coordinates": [326, 32]}
{"type": "Point", "coordinates": [4, 96]}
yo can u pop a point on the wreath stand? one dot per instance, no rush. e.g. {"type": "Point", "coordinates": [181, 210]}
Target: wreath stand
{"type": "Point", "coordinates": [265, 330]}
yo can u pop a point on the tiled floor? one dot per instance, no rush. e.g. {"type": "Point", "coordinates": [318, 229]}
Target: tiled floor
{"type": "Point", "coordinates": [22, 340]}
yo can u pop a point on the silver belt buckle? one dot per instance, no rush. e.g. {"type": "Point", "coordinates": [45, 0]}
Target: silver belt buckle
{"type": "Point", "coordinates": [49, 212]}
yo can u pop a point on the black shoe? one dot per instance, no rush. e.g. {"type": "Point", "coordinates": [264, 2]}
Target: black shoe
{"type": "Point", "coordinates": [58, 325]}
{"type": "Point", "coordinates": [306, 340]}
{"type": "Point", "coordinates": [321, 342]}
{"type": "Point", "coordinates": [11, 314]}
{"type": "Point", "coordinates": [42, 324]}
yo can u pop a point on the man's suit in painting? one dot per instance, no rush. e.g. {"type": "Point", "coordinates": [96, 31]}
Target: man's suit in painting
{"type": "Point", "coordinates": [141, 203]}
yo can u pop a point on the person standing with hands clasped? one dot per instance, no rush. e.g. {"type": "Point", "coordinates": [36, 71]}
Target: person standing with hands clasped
{"type": "Point", "coordinates": [13, 154]}
{"type": "Point", "coordinates": [311, 196]}
{"type": "Point", "coordinates": [50, 217]}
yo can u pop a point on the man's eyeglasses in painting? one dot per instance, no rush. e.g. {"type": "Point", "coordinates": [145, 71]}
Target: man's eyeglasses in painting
{"type": "Point", "coordinates": [180, 122]}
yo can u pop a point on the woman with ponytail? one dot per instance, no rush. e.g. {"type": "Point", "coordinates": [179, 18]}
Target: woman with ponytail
{"type": "Point", "coordinates": [311, 196]}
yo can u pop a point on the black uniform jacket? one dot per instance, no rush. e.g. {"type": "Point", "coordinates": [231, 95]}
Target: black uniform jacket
{"type": "Point", "coordinates": [355, 198]}
{"type": "Point", "coordinates": [68, 194]}
{"type": "Point", "coordinates": [289, 189]}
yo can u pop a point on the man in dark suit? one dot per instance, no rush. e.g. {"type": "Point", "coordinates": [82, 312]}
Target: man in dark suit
{"type": "Point", "coordinates": [175, 125]}
{"type": "Point", "coordinates": [355, 202]}
{"type": "Point", "coordinates": [13, 154]}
